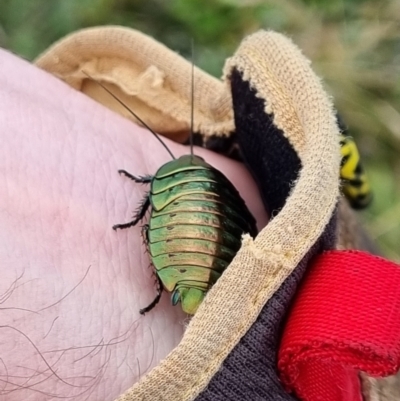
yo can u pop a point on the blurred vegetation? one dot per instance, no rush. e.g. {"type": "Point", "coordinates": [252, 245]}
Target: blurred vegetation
{"type": "Point", "coordinates": [354, 46]}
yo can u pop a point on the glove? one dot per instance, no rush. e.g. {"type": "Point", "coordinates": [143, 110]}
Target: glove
{"type": "Point", "coordinates": [273, 107]}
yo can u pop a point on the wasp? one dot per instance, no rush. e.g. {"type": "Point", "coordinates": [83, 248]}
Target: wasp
{"type": "Point", "coordinates": [355, 184]}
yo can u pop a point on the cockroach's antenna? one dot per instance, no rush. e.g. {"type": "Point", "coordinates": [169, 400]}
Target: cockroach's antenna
{"type": "Point", "coordinates": [131, 112]}
{"type": "Point", "coordinates": [192, 97]}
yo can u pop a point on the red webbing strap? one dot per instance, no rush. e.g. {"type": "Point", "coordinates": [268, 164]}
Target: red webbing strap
{"type": "Point", "coordinates": [345, 319]}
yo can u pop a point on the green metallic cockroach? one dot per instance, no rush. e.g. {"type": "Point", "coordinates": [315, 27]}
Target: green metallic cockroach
{"type": "Point", "coordinates": [196, 223]}
{"type": "Point", "coordinates": [195, 227]}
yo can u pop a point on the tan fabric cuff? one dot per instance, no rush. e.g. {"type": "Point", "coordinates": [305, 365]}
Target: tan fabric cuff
{"type": "Point", "coordinates": [151, 79]}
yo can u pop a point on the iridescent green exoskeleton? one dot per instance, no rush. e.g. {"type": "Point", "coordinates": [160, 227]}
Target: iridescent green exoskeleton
{"type": "Point", "coordinates": [195, 227]}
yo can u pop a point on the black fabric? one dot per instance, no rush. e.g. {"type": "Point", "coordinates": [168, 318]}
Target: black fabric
{"type": "Point", "coordinates": [225, 145]}
{"type": "Point", "coordinates": [265, 150]}
{"type": "Point", "coordinates": [249, 372]}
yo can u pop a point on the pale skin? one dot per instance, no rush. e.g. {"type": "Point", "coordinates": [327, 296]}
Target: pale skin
{"type": "Point", "coordinates": [71, 287]}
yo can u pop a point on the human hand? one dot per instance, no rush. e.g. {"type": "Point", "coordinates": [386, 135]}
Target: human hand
{"type": "Point", "coordinates": [72, 287]}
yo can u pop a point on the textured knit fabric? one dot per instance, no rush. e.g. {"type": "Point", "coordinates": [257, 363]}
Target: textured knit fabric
{"type": "Point", "coordinates": [148, 77]}
{"type": "Point", "coordinates": [249, 372]}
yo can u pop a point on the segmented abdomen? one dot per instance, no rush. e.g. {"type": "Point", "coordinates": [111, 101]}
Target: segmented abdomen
{"type": "Point", "coordinates": [195, 229]}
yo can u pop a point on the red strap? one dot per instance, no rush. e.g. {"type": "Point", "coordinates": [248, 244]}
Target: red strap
{"type": "Point", "coordinates": [345, 318]}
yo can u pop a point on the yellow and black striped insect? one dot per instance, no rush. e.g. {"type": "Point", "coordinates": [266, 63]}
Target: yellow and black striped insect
{"type": "Point", "coordinates": [355, 184]}
{"type": "Point", "coordinates": [195, 227]}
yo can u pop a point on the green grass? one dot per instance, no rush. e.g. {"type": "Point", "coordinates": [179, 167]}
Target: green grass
{"type": "Point", "coordinates": [354, 46]}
